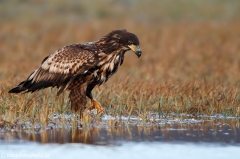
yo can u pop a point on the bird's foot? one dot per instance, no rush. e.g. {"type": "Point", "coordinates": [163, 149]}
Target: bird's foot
{"type": "Point", "coordinates": [92, 113]}
{"type": "Point", "coordinates": [96, 105]}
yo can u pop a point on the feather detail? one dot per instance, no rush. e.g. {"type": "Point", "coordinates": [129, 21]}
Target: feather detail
{"type": "Point", "coordinates": [80, 67]}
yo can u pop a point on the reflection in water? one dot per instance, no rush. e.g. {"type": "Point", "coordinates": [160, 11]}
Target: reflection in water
{"type": "Point", "coordinates": [227, 132]}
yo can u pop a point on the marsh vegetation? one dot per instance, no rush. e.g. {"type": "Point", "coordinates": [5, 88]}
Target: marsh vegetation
{"type": "Point", "coordinates": [190, 63]}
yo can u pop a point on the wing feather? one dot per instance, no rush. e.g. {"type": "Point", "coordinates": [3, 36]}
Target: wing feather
{"type": "Point", "coordinates": [69, 59]}
{"type": "Point", "coordinates": [62, 67]}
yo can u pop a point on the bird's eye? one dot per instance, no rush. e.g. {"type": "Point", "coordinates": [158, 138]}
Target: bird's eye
{"type": "Point", "coordinates": [130, 42]}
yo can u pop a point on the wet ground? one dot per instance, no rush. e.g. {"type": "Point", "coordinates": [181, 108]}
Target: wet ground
{"type": "Point", "coordinates": [215, 135]}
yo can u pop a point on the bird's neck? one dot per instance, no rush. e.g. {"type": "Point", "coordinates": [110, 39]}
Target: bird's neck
{"type": "Point", "coordinates": [108, 46]}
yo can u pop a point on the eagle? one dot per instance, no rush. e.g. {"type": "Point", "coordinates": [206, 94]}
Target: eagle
{"type": "Point", "coordinates": [80, 67]}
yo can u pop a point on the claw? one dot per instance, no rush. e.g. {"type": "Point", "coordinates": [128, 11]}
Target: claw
{"type": "Point", "coordinates": [97, 106]}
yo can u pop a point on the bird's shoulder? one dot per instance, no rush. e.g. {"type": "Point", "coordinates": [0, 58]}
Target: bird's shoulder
{"type": "Point", "coordinates": [71, 58]}
{"type": "Point", "coordinates": [76, 50]}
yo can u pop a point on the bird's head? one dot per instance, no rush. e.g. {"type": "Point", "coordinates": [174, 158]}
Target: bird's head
{"type": "Point", "coordinates": [124, 39]}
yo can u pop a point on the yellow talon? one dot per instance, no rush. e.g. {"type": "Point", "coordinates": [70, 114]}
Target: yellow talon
{"type": "Point", "coordinates": [97, 106]}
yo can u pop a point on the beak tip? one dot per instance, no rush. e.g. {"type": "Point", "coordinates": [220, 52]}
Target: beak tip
{"type": "Point", "coordinates": [139, 53]}
{"type": "Point", "coordinates": [136, 49]}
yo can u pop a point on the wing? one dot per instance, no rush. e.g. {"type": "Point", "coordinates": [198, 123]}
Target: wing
{"type": "Point", "coordinates": [61, 67]}
{"type": "Point", "coordinates": [70, 60]}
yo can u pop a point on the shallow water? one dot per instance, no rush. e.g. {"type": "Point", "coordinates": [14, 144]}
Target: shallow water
{"type": "Point", "coordinates": [127, 150]}
{"type": "Point", "coordinates": [108, 131]}
{"type": "Point", "coordinates": [199, 132]}
{"type": "Point", "coordinates": [216, 137]}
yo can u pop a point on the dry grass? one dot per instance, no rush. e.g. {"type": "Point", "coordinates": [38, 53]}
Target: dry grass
{"type": "Point", "coordinates": [187, 66]}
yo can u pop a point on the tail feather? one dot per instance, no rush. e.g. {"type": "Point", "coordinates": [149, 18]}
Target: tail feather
{"type": "Point", "coordinates": [28, 86]}
{"type": "Point", "coordinates": [41, 79]}
{"type": "Point", "coordinates": [18, 89]}
{"type": "Point", "coordinates": [37, 86]}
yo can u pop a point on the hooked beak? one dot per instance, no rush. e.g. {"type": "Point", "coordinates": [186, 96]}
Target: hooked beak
{"type": "Point", "coordinates": [136, 49]}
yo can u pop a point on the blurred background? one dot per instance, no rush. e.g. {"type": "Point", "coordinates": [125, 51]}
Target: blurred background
{"type": "Point", "coordinates": [182, 40]}
{"type": "Point", "coordinates": [190, 62]}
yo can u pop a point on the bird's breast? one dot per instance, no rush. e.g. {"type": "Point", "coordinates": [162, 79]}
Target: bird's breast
{"type": "Point", "coordinates": [108, 68]}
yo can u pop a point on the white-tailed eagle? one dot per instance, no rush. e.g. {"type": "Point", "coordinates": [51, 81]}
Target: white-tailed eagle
{"type": "Point", "coordinates": [80, 67]}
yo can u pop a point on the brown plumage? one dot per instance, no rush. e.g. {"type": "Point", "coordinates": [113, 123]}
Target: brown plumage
{"type": "Point", "coordinates": [80, 67]}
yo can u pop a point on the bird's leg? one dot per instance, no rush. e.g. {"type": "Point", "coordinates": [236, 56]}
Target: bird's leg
{"type": "Point", "coordinates": [95, 105]}
{"type": "Point", "coordinates": [87, 117]}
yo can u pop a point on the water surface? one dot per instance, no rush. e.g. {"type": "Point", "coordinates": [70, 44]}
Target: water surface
{"type": "Point", "coordinates": [209, 130]}
{"type": "Point", "coordinates": [128, 138]}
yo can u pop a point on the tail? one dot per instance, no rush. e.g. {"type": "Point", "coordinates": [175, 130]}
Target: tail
{"type": "Point", "coordinates": [30, 86]}
{"type": "Point", "coordinates": [41, 79]}
{"type": "Point", "coordinates": [18, 89]}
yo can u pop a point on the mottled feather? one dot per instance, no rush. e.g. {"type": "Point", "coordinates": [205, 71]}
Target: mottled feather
{"type": "Point", "coordinates": [63, 66]}
{"type": "Point", "coordinates": [80, 67]}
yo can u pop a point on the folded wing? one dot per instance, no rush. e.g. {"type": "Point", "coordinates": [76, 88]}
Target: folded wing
{"type": "Point", "coordinates": [60, 68]}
